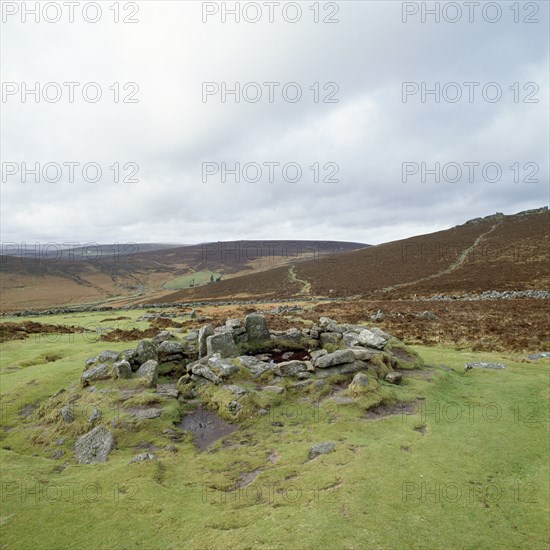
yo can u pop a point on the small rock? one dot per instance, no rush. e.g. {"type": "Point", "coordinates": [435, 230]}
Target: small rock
{"type": "Point", "coordinates": [393, 377]}
{"type": "Point", "coordinates": [96, 415]}
{"type": "Point", "coordinates": [254, 365]}
{"type": "Point", "coordinates": [317, 353]}
{"type": "Point", "coordinates": [99, 372]}
{"type": "Point", "coordinates": [224, 368]}
{"type": "Point", "coordinates": [378, 317]}
{"type": "Point", "coordinates": [337, 358]}
{"type": "Point", "coordinates": [145, 414]}
{"type": "Point", "coordinates": [274, 389]}
{"type": "Point", "coordinates": [108, 356]}
{"type": "Point", "coordinates": [321, 449]}
{"type": "Point", "coordinates": [94, 446]}
{"type": "Point", "coordinates": [290, 368]}
{"type": "Point", "coordinates": [540, 355]}
{"type": "Point", "coordinates": [149, 372]}
{"type": "Point", "coordinates": [142, 457]}
{"type": "Point", "coordinates": [234, 407]}
{"type": "Point", "coordinates": [360, 380]}
{"type": "Point", "coordinates": [122, 369]}
{"type": "Point", "coordinates": [428, 316]}
{"type": "Point", "coordinates": [67, 414]}
{"type": "Point", "coordinates": [237, 391]}
{"type": "Point", "coordinates": [333, 338]}
{"type": "Point", "coordinates": [484, 365]}
{"type": "Point", "coordinates": [163, 336]}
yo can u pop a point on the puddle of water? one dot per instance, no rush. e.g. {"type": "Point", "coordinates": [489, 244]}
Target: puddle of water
{"type": "Point", "coordinates": [207, 427]}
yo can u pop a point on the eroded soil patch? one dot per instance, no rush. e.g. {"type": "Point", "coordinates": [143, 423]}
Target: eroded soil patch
{"type": "Point", "coordinates": [383, 411]}
{"type": "Point", "coordinates": [20, 331]}
{"type": "Point", "coordinates": [206, 426]}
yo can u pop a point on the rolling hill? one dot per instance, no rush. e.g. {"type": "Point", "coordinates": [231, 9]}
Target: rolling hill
{"type": "Point", "coordinates": [118, 273]}
{"type": "Point", "coordinates": [497, 252]}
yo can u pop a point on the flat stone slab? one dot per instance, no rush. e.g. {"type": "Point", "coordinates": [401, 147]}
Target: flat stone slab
{"type": "Point", "coordinates": [145, 414]}
{"type": "Point", "coordinates": [168, 390]}
{"type": "Point", "coordinates": [483, 365]}
{"type": "Point", "coordinates": [540, 355]}
{"type": "Point", "coordinates": [321, 449]}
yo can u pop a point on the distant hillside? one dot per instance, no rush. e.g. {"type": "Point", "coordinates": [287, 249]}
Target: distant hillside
{"type": "Point", "coordinates": [89, 251]}
{"type": "Point", "coordinates": [113, 273]}
{"type": "Point", "coordinates": [498, 252]}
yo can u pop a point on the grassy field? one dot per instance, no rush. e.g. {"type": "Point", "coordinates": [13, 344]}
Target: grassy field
{"type": "Point", "coordinates": [466, 467]}
{"type": "Point", "coordinates": [193, 279]}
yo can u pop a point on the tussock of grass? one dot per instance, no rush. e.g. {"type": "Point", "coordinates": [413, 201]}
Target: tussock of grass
{"type": "Point", "coordinates": [217, 398]}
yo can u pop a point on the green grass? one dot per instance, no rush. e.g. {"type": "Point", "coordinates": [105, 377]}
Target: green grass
{"type": "Point", "coordinates": [387, 484]}
{"type": "Point", "coordinates": [196, 279]}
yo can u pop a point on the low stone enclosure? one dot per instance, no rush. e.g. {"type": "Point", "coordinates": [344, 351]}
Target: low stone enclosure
{"type": "Point", "coordinates": [238, 370]}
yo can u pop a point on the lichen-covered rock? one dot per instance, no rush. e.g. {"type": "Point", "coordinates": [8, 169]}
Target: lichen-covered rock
{"type": "Point", "coordinates": [145, 351]}
{"type": "Point", "coordinates": [274, 389]}
{"type": "Point", "coordinates": [67, 414]}
{"type": "Point", "coordinates": [108, 356]}
{"type": "Point", "coordinates": [346, 368]}
{"type": "Point", "coordinates": [359, 384]}
{"type": "Point", "coordinates": [149, 372]}
{"type": "Point", "coordinates": [350, 339]}
{"type": "Point", "coordinates": [122, 369]}
{"type": "Point", "coordinates": [393, 377]}
{"type": "Point", "coordinates": [255, 366]}
{"type": "Point", "coordinates": [223, 344]}
{"type": "Point", "coordinates": [233, 324]}
{"type": "Point", "coordinates": [224, 368]}
{"type": "Point", "coordinates": [290, 368]}
{"type": "Point", "coordinates": [237, 391]}
{"type": "Point", "coordinates": [204, 333]}
{"type": "Point", "coordinates": [332, 359]}
{"type": "Point", "coordinates": [163, 336]}
{"type": "Point", "coordinates": [95, 415]}
{"type": "Point", "coordinates": [94, 446]}
{"type": "Point", "coordinates": [129, 355]}
{"type": "Point", "coordinates": [256, 328]}
{"type": "Point", "coordinates": [147, 413]}
{"type": "Point", "coordinates": [206, 372]}
{"type": "Point", "coordinates": [169, 350]}
{"type": "Point", "coordinates": [334, 338]}
{"type": "Point", "coordinates": [184, 387]}
{"type": "Point", "coordinates": [142, 457]}
{"type": "Point", "coordinates": [364, 354]}
{"type": "Point", "coordinates": [292, 335]}
{"type": "Point", "coordinates": [315, 354]}
{"type": "Point", "coordinates": [99, 372]}
{"type": "Point", "coordinates": [369, 339]}
{"type": "Point", "coordinates": [321, 449]}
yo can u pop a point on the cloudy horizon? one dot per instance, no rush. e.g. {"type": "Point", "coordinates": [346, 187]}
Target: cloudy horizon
{"type": "Point", "coordinates": [360, 132]}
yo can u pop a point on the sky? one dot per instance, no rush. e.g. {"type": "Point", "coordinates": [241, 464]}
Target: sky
{"type": "Point", "coordinates": [331, 126]}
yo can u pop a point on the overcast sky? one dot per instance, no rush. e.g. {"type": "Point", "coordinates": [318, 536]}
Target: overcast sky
{"type": "Point", "coordinates": [366, 133]}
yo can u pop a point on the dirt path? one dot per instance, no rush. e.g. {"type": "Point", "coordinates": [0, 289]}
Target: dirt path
{"type": "Point", "coordinates": [453, 267]}
{"type": "Point", "coordinates": [306, 285]}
